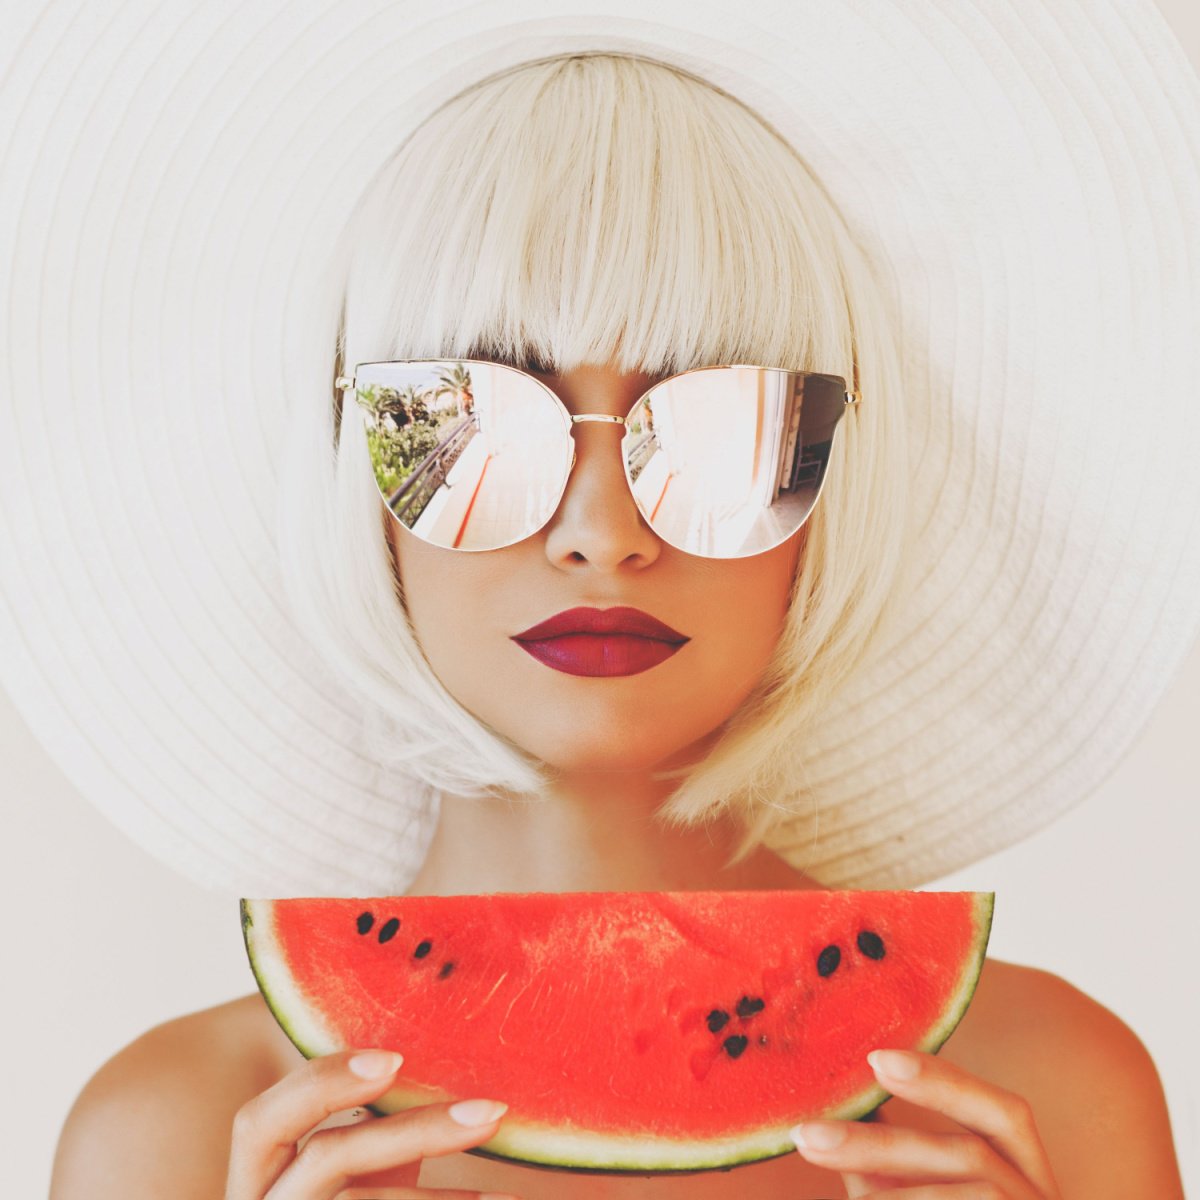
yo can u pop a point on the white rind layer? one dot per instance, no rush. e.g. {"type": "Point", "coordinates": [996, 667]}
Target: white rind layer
{"type": "Point", "coordinates": [295, 1014]}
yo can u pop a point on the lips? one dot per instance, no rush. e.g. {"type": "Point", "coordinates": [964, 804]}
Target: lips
{"type": "Point", "coordinates": [601, 642]}
{"type": "Point", "coordinates": [602, 620]}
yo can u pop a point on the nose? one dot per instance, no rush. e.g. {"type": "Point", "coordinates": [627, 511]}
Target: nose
{"type": "Point", "coordinates": [597, 523]}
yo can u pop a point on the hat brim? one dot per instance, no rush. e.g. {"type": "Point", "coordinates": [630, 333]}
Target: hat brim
{"type": "Point", "coordinates": [1031, 181]}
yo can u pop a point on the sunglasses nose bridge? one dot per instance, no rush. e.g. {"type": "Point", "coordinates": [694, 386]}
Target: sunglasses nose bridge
{"type": "Point", "coordinates": [599, 418]}
{"type": "Point", "coordinates": [577, 417]}
{"type": "Point", "coordinates": [599, 452]}
{"type": "Point", "coordinates": [597, 517]}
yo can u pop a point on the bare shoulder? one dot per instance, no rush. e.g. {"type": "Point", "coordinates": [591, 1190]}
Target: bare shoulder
{"type": "Point", "coordinates": [1092, 1085]}
{"type": "Point", "coordinates": [156, 1118]}
{"type": "Point", "coordinates": [1023, 1019]}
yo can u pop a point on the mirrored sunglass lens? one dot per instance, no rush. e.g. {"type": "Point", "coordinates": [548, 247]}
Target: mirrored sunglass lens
{"type": "Point", "coordinates": [467, 455]}
{"type": "Point", "coordinates": [727, 462]}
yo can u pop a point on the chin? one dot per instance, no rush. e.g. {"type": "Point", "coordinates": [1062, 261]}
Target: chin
{"type": "Point", "coordinates": [593, 752]}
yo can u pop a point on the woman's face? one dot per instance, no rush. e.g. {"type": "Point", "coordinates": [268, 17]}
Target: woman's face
{"type": "Point", "coordinates": [596, 552]}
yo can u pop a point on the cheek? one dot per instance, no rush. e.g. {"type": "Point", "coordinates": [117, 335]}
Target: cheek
{"type": "Point", "coordinates": [436, 594]}
{"type": "Point", "coordinates": [453, 602]}
{"type": "Point", "coordinates": [746, 606]}
{"type": "Point", "coordinates": [760, 586]}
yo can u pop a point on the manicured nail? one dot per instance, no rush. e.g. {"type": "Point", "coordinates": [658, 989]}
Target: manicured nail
{"type": "Point", "coordinates": [375, 1064]}
{"type": "Point", "coordinates": [477, 1112]}
{"type": "Point", "coordinates": [819, 1135]}
{"type": "Point", "coordinates": [895, 1064]}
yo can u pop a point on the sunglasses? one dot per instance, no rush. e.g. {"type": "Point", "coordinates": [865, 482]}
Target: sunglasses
{"type": "Point", "coordinates": [722, 462]}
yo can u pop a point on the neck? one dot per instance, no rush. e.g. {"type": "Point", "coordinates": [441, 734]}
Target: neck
{"type": "Point", "coordinates": [590, 833]}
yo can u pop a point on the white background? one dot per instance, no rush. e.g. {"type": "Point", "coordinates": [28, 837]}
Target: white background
{"type": "Point", "coordinates": [108, 942]}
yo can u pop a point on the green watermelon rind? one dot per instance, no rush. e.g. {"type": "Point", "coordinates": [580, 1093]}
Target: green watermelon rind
{"type": "Point", "coordinates": [534, 1144]}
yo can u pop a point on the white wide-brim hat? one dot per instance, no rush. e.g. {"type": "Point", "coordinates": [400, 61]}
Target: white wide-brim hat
{"type": "Point", "coordinates": [1028, 176]}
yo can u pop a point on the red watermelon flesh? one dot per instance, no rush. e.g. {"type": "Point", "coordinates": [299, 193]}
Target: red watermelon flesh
{"type": "Point", "coordinates": [627, 1031]}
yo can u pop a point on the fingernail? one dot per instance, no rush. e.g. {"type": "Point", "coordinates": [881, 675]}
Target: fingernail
{"type": "Point", "coordinates": [895, 1064]}
{"type": "Point", "coordinates": [498, 1196]}
{"type": "Point", "coordinates": [375, 1064]}
{"type": "Point", "coordinates": [818, 1135]}
{"type": "Point", "coordinates": [477, 1112]}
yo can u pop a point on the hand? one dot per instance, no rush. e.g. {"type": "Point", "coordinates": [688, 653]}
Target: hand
{"type": "Point", "coordinates": [1000, 1158]}
{"type": "Point", "coordinates": [379, 1158]}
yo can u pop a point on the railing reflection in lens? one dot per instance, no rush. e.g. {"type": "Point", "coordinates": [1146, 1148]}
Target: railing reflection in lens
{"type": "Point", "coordinates": [409, 500]}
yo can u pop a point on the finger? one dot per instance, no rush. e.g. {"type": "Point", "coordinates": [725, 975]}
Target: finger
{"type": "Point", "coordinates": [380, 1185]}
{"type": "Point", "coordinates": [933, 1191]}
{"type": "Point", "coordinates": [867, 1185]}
{"type": "Point", "coordinates": [908, 1154]}
{"type": "Point", "coordinates": [333, 1158]}
{"type": "Point", "coordinates": [267, 1128]}
{"type": "Point", "coordinates": [1003, 1118]}
{"type": "Point", "coordinates": [408, 1193]}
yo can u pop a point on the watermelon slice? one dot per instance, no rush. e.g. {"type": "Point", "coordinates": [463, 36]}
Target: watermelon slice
{"type": "Point", "coordinates": [627, 1031]}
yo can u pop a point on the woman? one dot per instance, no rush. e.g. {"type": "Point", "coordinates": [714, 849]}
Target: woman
{"type": "Point", "coordinates": [605, 223]}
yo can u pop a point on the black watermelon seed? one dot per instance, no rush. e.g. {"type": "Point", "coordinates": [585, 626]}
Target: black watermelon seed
{"type": "Point", "coordinates": [871, 944]}
{"type": "Point", "coordinates": [365, 921]}
{"type": "Point", "coordinates": [422, 950]}
{"type": "Point", "coordinates": [717, 1020]}
{"type": "Point", "coordinates": [827, 961]}
{"type": "Point", "coordinates": [447, 967]}
{"type": "Point", "coordinates": [388, 930]}
{"type": "Point", "coordinates": [762, 1039]}
{"type": "Point", "coordinates": [747, 1006]}
{"type": "Point", "coordinates": [734, 1045]}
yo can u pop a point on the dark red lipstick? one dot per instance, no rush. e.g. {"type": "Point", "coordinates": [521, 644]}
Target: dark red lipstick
{"type": "Point", "coordinates": [601, 641]}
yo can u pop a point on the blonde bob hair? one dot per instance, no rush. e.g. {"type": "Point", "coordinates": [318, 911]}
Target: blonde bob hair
{"type": "Point", "coordinates": [602, 209]}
